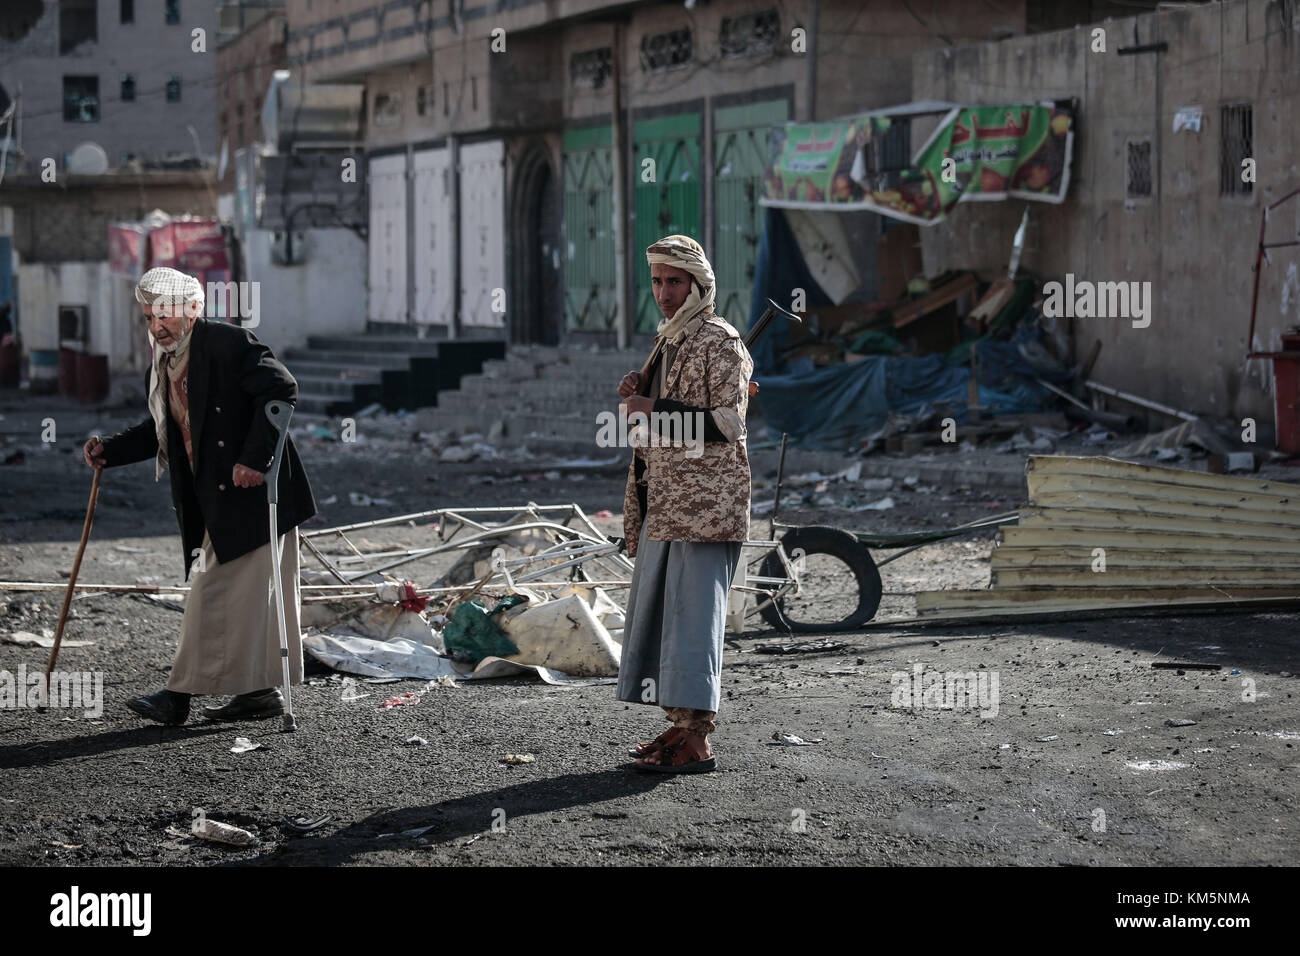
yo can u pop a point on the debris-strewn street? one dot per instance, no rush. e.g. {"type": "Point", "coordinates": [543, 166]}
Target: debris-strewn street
{"type": "Point", "coordinates": [1087, 753]}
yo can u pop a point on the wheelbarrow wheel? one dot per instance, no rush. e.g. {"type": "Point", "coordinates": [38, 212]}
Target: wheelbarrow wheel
{"type": "Point", "coordinates": [825, 602]}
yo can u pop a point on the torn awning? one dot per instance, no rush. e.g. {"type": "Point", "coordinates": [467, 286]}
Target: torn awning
{"type": "Point", "coordinates": [982, 153]}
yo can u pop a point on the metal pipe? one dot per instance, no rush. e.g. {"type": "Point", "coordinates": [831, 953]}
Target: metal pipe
{"type": "Point", "coordinates": [1138, 400]}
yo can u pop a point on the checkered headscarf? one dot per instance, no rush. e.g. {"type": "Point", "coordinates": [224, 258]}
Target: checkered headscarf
{"type": "Point", "coordinates": [167, 287]}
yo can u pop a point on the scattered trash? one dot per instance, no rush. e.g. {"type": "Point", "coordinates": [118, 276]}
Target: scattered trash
{"type": "Point", "coordinates": [365, 501]}
{"type": "Point", "coordinates": [456, 454]}
{"type": "Point", "coordinates": [332, 499]}
{"type": "Point", "coordinates": [1234, 671]}
{"type": "Point", "coordinates": [350, 689]}
{"type": "Point", "coordinates": [1112, 733]}
{"type": "Point", "coordinates": [401, 700]}
{"type": "Point", "coordinates": [304, 824]}
{"type": "Point", "coordinates": [406, 834]}
{"type": "Point", "coordinates": [884, 504]}
{"type": "Point", "coordinates": [43, 639]}
{"type": "Point", "coordinates": [442, 681]}
{"type": "Point", "coordinates": [206, 829]}
{"type": "Point", "coordinates": [1156, 765]}
{"type": "Point", "coordinates": [840, 671]}
{"type": "Point", "coordinates": [801, 647]}
{"type": "Point", "coordinates": [1049, 737]}
{"type": "Point", "coordinates": [1180, 723]}
{"type": "Point", "coordinates": [130, 550]}
{"type": "Point", "coordinates": [517, 758]}
{"type": "Point", "coordinates": [791, 740]}
{"type": "Point", "coordinates": [417, 742]}
{"type": "Point", "coordinates": [243, 745]}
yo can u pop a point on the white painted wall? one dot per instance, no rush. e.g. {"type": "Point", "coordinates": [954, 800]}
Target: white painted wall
{"type": "Point", "coordinates": [388, 238]}
{"type": "Point", "coordinates": [325, 295]}
{"type": "Point", "coordinates": [43, 287]}
{"type": "Point", "coordinates": [432, 237]}
{"type": "Point", "coordinates": [482, 232]}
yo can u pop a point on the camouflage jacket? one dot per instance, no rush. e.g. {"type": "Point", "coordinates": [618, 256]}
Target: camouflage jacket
{"type": "Point", "coordinates": [691, 496]}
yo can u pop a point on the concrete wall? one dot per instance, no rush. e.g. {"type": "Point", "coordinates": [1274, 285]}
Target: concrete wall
{"type": "Point", "coordinates": [324, 296]}
{"type": "Point", "coordinates": [67, 220]}
{"type": "Point", "coordinates": [115, 326]}
{"type": "Point", "coordinates": [1195, 247]}
{"type": "Point", "coordinates": [149, 48]}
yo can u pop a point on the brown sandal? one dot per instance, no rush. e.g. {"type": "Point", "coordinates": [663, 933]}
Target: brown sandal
{"type": "Point", "coordinates": [681, 757]}
{"type": "Point", "coordinates": [669, 736]}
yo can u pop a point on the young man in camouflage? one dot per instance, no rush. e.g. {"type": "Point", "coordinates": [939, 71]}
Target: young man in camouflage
{"type": "Point", "coordinates": [686, 510]}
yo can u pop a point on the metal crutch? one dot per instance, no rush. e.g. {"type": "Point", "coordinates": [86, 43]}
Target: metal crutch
{"type": "Point", "coordinates": [279, 414]}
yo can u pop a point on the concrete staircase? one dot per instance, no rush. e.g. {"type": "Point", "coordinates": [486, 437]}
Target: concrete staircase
{"type": "Point", "coordinates": [546, 398]}
{"type": "Point", "coordinates": [338, 374]}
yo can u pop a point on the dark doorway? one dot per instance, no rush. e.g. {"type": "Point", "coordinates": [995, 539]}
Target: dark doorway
{"type": "Point", "coordinates": [537, 278]}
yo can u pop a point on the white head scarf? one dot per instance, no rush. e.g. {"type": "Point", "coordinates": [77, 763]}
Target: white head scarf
{"type": "Point", "coordinates": [164, 286]}
{"type": "Point", "coordinates": [683, 252]}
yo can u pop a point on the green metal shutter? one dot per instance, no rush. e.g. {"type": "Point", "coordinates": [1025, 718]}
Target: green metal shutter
{"type": "Point", "coordinates": [589, 302]}
{"type": "Point", "coordinates": [740, 153]}
{"type": "Point", "coordinates": [671, 204]}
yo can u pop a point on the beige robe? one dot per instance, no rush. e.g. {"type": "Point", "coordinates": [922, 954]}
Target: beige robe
{"type": "Point", "coordinates": [230, 635]}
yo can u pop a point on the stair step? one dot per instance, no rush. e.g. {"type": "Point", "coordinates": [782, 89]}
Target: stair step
{"type": "Point", "coordinates": [390, 344]}
{"type": "Point", "coordinates": [345, 359]}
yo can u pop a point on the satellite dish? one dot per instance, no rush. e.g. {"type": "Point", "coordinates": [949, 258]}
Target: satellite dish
{"type": "Point", "coordinates": [88, 158]}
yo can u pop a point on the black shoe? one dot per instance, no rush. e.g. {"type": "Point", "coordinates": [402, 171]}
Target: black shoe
{"type": "Point", "coordinates": [258, 704]}
{"type": "Point", "coordinates": [165, 706]}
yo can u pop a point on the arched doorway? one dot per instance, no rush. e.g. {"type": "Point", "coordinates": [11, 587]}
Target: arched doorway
{"type": "Point", "coordinates": [537, 309]}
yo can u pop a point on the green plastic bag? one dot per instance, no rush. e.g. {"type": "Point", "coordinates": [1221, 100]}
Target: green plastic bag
{"type": "Point", "coordinates": [472, 634]}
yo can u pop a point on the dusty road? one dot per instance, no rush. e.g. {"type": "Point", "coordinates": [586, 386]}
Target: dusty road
{"type": "Point", "coordinates": [1088, 759]}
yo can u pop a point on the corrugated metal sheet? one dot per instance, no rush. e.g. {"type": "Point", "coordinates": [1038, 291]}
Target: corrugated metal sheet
{"type": "Point", "coordinates": [387, 299]}
{"type": "Point", "coordinates": [433, 291]}
{"type": "Point", "coordinates": [669, 205]}
{"type": "Point", "coordinates": [482, 233]}
{"type": "Point", "coordinates": [1102, 533]}
{"type": "Point", "coordinates": [740, 154]}
{"type": "Point", "coordinates": [587, 231]}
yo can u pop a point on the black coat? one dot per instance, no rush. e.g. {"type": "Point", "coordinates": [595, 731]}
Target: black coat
{"type": "Point", "coordinates": [231, 377]}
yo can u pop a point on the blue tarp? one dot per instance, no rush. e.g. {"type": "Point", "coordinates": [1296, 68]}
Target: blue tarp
{"type": "Point", "coordinates": [837, 406]}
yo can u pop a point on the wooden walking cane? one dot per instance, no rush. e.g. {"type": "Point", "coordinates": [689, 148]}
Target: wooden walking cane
{"type": "Point", "coordinates": [72, 578]}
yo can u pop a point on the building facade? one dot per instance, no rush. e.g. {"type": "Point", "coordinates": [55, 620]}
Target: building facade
{"type": "Point", "coordinates": [1185, 135]}
{"type": "Point", "coordinates": [490, 140]}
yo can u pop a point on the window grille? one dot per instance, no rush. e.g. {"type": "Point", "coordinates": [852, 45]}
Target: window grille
{"type": "Point", "coordinates": [1236, 144]}
{"type": "Point", "coordinates": [750, 34]}
{"type": "Point", "coordinates": [665, 51]}
{"type": "Point", "coordinates": [590, 69]}
{"type": "Point", "coordinates": [1138, 185]}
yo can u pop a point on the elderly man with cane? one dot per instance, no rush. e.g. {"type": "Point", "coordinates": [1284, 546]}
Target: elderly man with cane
{"type": "Point", "coordinates": [685, 513]}
{"type": "Point", "coordinates": [208, 386]}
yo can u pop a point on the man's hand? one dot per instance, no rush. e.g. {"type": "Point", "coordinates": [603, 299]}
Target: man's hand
{"type": "Point", "coordinates": [245, 477]}
{"type": "Point", "coordinates": [93, 453]}
{"type": "Point", "coordinates": [630, 385]}
{"type": "Point", "coordinates": [639, 404]}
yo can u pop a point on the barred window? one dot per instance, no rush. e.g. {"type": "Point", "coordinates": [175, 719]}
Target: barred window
{"type": "Point", "coordinates": [173, 89]}
{"type": "Point", "coordinates": [665, 51]}
{"type": "Point", "coordinates": [77, 24]}
{"type": "Point", "coordinates": [1139, 178]}
{"type": "Point", "coordinates": [1236, 144]}
{"type": "Point", "coordinates": [172, 11]}
{"type": "Point", "coordinates": [81, 99]}
{"type": "Point", "coordinates": [590, 69]}
{"type": "Point", "coordinates": [750, 33]}
{"type": "Point", "coordinates": [128, 87]}
{"type": "Point", "coordinates": [388, 110]}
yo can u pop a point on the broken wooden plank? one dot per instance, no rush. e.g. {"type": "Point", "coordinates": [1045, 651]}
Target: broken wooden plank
{"type": "Point", "coordinates": [1114, 468]}
{"type": "Point", "coordinates": [1077, 555]}
{"type": "Point", "coordinates": [1082, 578]}
{"type": "Point", "coordinates": [1067, 501]}
{"type": "Point", "coordinates": [1007, 599]}
{"type": "Point", "coordinates": [1042, 485]}
{"type": "Point", "coordinates": [1082, 519]}
{"type": "Point", "coordinates": [1140, 539]}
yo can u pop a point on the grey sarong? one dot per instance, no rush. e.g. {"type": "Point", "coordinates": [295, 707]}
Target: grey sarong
{"type": "Point", "coordinates": [676, 616]}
